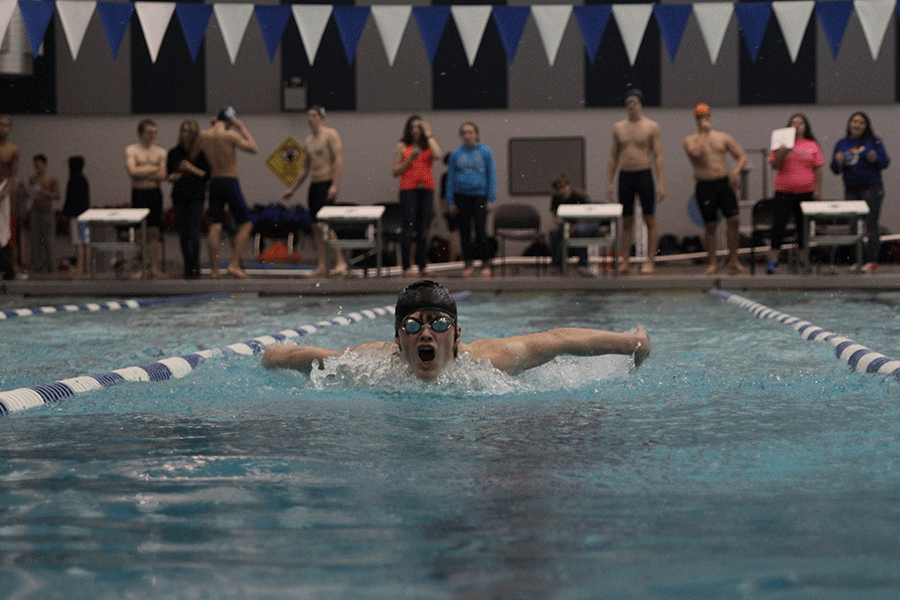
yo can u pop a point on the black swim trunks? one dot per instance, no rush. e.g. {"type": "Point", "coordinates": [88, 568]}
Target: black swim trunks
{"type": "Point", "coordinates": [318, 196]}
{"type": "Point", "coordinates": [152, 199]}
{"type": "Point", "coordinates": [227, 191]}
{"type": "Point", "coordinates": [640, 184]}
{"type": "Point", "coordinates": [715, 195]}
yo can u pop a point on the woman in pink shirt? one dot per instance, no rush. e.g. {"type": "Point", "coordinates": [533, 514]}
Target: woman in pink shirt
{"type": "Point", "coordinates": [415, 152]}
{"type": "Point", "coordinates": [798, 178]}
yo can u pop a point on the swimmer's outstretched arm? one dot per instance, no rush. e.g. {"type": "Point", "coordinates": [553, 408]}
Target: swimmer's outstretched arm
{"type": "Point", "coordinates": [304, 358]}
{"type": "Point", "coordinates": [516, 354]}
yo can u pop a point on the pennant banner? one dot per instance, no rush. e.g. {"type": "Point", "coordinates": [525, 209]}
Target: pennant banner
{"type": "Point", "coordinates": [272, 20]}
{"type": "Point", "coordinates": [753, 17]}
{"type": "Point", "coordinates": [36, 14]}
{"type": "Point", "coordinates": [193, 18]}
{"type": "Point", "coordinates": [471, 22]}
{"type": "Point", "coordinates": [75, 15]}
{"type": "Point", "coordinates": [115, 17]}
{"type": "Point", "coordinates": [233, 20]}
{"type": "Point", "coordinates": [391, 21]}
{"type": "Point", "coordinates": [632, 20]}
{"type": "Point", "coordinates": [834, 17]}
{"type": "Point", "coordinates": [350, 21]}
{"type": "Point", "coordinates": [551, 22]}
{"type": "Point", "coordinates": [874, 16]}
{"type": "Point", "coordinates": [510, 21]}
{"type": "Point", "coordinates": [432, 20]}
{"type": "Point", "coordinates": [793, 18]}
{"type": "Point", "coordinates": [154, 18]}
{"type": "Point", "coordinates": [311, 19]}
{"type": "Point", "coordinates": [672, 19]}
{"type": "Point", "coordinates": [592, 21]}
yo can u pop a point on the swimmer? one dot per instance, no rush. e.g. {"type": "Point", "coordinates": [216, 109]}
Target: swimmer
{"type": "Point", "coordinates": [427, 338]}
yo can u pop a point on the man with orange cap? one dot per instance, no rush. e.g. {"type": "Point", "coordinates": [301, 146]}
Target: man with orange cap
{"type": "Point", "coordinates": [708, 152]}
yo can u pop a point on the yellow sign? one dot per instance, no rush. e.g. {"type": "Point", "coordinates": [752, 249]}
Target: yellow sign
{"type": "Point", "coordinates": [287, 160]}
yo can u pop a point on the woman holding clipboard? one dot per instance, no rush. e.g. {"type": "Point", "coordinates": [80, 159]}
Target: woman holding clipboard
{"type": "Point", "coordinates": [798, 178]}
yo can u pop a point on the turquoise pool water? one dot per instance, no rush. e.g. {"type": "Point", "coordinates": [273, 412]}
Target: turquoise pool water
{"type": "Point", "coordinates": [739, 461]}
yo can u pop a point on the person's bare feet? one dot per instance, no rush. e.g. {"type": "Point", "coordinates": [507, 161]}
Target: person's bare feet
{"type": "Point", "coordinates": [711, 269]}
{"type": "Point", "coordinates": [736, 268]}
{"type": "Point", "coordinates": [236, 272]}
{"type": "Point", "coordinates": [648, 269]}
{"type": "Point", "coordinates": [486, 273]}
{"type": "Point", "coordinates": [468, 272]}
{"type": "Point", "coordinates": [315, 274]}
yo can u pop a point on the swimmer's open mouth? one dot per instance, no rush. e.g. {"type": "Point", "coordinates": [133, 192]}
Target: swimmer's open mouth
{"type": "Point", "coordinates": [426, 353]}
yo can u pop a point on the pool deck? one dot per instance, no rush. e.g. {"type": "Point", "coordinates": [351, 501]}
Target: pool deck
{"type": "Point", "coordinates": [524, 279]}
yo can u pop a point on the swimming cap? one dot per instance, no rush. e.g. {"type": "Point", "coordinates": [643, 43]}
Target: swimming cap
{"type": "Point", "coordinates": [423, 295]}
{"type": "Point", "coordinates": [701, 110]}
{"type": "Point", "coordinates": [226, 114]}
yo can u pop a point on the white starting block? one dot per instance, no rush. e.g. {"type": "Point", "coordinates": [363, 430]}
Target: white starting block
{"type": "Point", "coordinates": [116, 217]}
{"type": "Point", "coordinates": [343, 215]}
{"type": "Point", "coordinates": [609, 214]}
{"type": "Point", "coordinates": [832, 211]}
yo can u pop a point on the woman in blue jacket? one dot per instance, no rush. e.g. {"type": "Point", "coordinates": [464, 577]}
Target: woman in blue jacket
{"type": "Point", "coordinates": [859, 158]}
{"type": "Point", "coordinates": [471, 189]}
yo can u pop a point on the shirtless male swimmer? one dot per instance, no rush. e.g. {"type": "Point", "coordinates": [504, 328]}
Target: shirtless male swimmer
{"type": "Point", "coordinates": [324, 164]}
{"type": "Point", "coordinates": [146, 165]}
{"type": "Point", "coordinates": [427, 338]}
{"type": "Point", "coordinates": [636, 147]}
{"type": "Point", "coordinates": [219, 143]}
{"type": "Point", "coordinates": [708, 151]}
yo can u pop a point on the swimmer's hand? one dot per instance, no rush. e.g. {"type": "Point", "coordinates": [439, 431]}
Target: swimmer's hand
{"type": "Point", "coordinates": [299, 358]}
{"type": "Point", "coordinates": [642, 346]}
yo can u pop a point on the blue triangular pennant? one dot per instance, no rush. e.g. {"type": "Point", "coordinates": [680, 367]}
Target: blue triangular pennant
{"type": "Point", "coordinates": [672, 19]}
{"type": "Point", "coordinates": [753, 18]}
{"type": "Point", "coordinates": [834, 17]}
{"type": "Point", "coordinates": [431, 21]}
{"type": "Point", "coordinates": [36, 14]}
{"type": "Point", "coordinates": [115, 17]}
{"type": "Point", "coordinates": [272, 20]}
{"type": "Point", "coordinates": [510, 22]}
{"type": "Point", "coordinates": [350, 21]}
{"type": "Point", "coordinates": [592, 21]}
{"type": "Point", "coordinates": [193, 18]}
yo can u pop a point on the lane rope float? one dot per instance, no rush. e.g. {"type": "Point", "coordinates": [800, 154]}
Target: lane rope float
{"type": "Point", "coordinates": [174, 367]}
{"type": "Point", "coordinates": [860, 358]}
{"type": "Point", "coordinates": [101, 306]}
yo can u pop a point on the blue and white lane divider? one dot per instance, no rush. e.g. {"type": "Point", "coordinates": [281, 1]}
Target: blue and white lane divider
{"type": "Point", "coordinates": [169, 368]}
{"type": "Point", "coordinates": [101, 306]}
{"type": "Point", "coordinates": [860, 358]}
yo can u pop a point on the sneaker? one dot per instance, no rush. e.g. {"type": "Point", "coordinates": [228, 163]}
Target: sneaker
{"type": "Point", "coordinates": [772, 267]}
{"type": "Point", "coordinates": [869, 268]}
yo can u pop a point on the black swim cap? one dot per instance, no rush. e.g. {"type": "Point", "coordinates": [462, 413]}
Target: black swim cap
{"type": "Point", "coordinates": [226, 114]}
{"type": "Point", "coordinates": [423, 295]}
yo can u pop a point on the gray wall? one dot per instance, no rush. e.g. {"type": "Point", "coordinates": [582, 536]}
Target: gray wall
{"type": "Point", "coordinates": [369, 140]}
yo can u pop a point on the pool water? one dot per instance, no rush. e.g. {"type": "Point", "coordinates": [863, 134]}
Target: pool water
{"type": "Point", "coordinates": [739, 461]}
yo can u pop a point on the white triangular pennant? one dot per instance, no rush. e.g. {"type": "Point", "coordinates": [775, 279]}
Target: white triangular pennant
{"type": "Point", "coordinates": [311, 20]}
{"type": "Point", "coordinates": [874, 16]}
{"type": "Point", "coordinates": [470, 22]}
{"type": "Point", "coordinates": [793, 18]}
{"type": "Point", "coordinates": [233, 20]}
{"type": "Point", "coordinates": [75, 16]}
{"type": "Point", "coordinates": [713, 18]}
{"type": "Point", "coordinates": [391, 22]}
{"type": "Point", "coordinates": [632, 20]}
{"type": "Point", "coordinates": [7, 8]}
{"type": "Point", "coordinates": [154, 18]}
{"type": "Point", "coordinates": [551, 22]}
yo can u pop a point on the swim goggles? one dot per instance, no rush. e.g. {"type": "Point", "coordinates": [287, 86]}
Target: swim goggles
{"type": "Point", "coordinates": [439, 325]}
